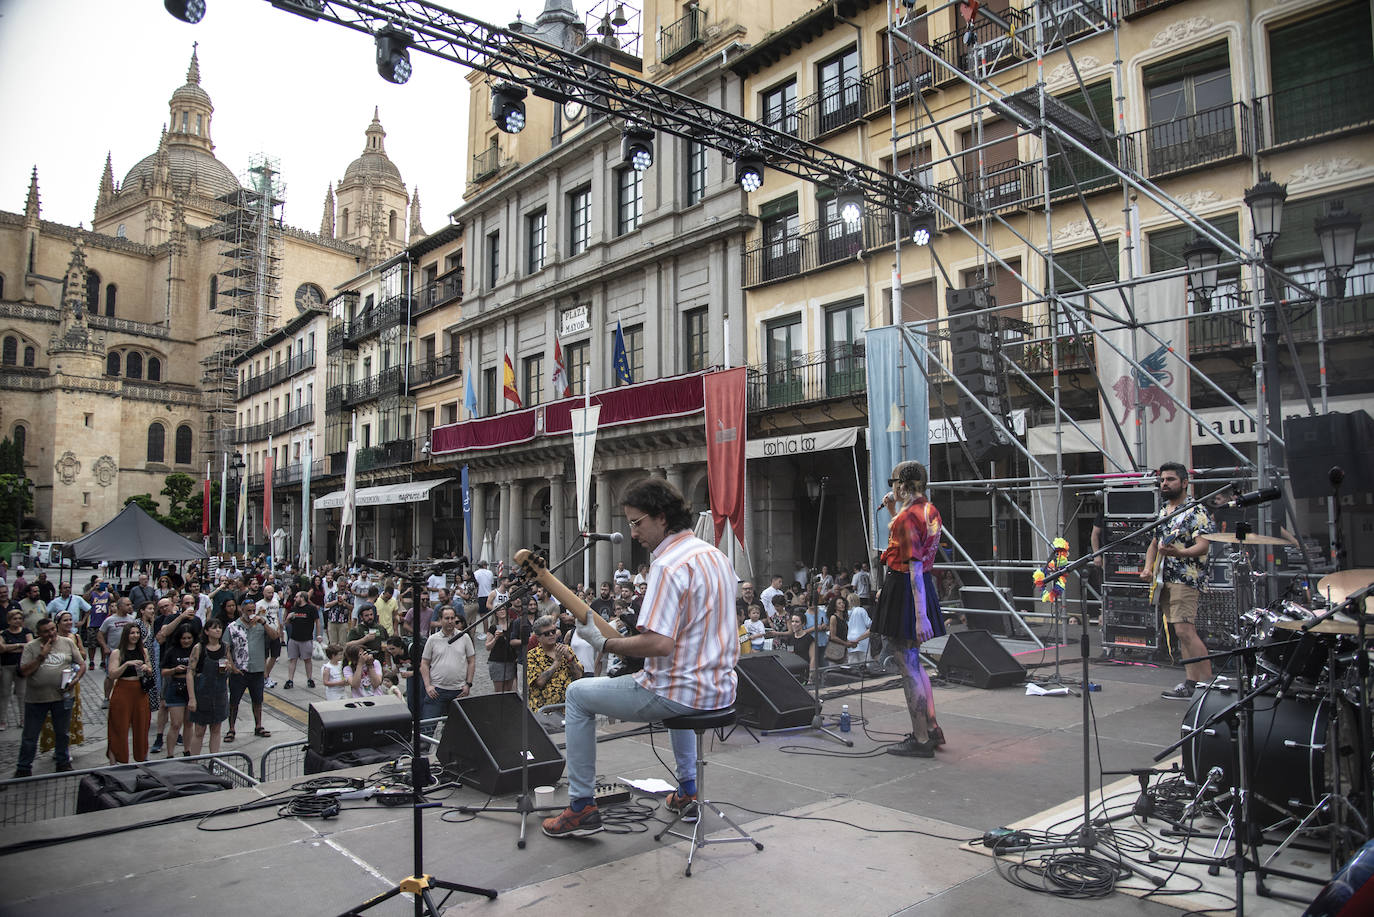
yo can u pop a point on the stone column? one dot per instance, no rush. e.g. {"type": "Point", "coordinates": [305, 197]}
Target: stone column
{"type": "Point", "coordinates": [479, 521]}
{"type": "Point", "coordinates": [556, 519]}
{"type": "Point", "coordinates": [677, 476]}
{"type": "Point", "coordinates": [516, 514]}
{"type": "Point", "coordinates": [605, 508]}
{"type": "Point", "coordinates": [503, 535]}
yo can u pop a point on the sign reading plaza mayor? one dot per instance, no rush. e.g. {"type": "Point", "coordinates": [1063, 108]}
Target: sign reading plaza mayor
{"type": "Point", "coordinates": [571, 321]}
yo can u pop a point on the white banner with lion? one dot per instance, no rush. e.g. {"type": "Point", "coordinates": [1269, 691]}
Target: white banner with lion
{"type": "Point", "coordinates": [1145, 398]}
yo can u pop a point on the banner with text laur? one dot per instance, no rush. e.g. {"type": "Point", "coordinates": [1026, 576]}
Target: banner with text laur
{"type": "Point", "coordinates": [1145, 398]}
{"type": "Point", "coordinates": [898, 413]}
{"type": "Point", "coordinates": [726, 408]}
{"type": "Point", "coordinates": [584, 421]}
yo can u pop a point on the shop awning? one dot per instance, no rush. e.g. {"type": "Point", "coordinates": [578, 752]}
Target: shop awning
{"type": "Point", "coordinates": [384, 494]}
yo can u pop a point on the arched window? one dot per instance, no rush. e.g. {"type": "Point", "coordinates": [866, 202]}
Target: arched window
{"type": "Point", "coordinates": [2, 286]}
{"type": "Point", "coordinates": [110, 300]}
{"type": "Point", "coordinates": [157, 439]}
{"type": "Point", "coordinates": [214, 291]}
{"type": "Point", "coordinates": [133, 365]}
{"type": "Point", "coordinates": [30, 356]}
{"type": "Point", "coordinates": [183, 453]}
{"type": "Point", "coordinates": [21, 439]}
{"type": "Point", "coordinates": [154, 369]}
{"type": "Point", "coordinates": [112, 363]}
{"type": "Point", "coordinates": [92, 292]}
{"type": "Point", "coordinates": [10, 354]}
{"type": "Point", "coordinates": [344, 231]}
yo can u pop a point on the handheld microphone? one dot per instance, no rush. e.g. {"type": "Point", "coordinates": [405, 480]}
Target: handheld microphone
{"type": "Point", "coordinates": [613, 537]}
{"type": "Point", "coordinates": [1335, 475]}
{"type": "Point", "coordinates": [1263, 495]}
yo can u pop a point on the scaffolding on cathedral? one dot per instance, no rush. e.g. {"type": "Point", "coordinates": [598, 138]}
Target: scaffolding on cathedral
{"type": "Point", "coordinates": [245, 291]}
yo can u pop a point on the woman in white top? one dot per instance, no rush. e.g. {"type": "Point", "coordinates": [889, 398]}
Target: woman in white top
{"type": "Point", "coordinates": [335, 685]}
{"type": "Point", "coordinates": [363, 672]}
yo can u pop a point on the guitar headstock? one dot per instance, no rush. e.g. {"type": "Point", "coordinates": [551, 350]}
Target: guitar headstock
{"type": "Point", "coordinates": [531, 561]}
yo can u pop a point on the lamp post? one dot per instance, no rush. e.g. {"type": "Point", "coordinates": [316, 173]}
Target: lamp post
{"type": "Point", "coordinates": [1265, 201]}
{"type": "Point", "coordinates": [1202, 257]}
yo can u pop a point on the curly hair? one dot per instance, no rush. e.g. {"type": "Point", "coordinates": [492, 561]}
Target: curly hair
{"type": "Point", "coordinates": [656, 496]}
{"type": "Point", "coordinates": [911, 477]}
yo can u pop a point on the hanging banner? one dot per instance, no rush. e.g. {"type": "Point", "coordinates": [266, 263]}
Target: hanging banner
{"type": "Point", "coordinates": [898, 414]}
{"type": "Point", "coordinates": [726, 407]}
{"type": "Point", "coordinates": [584, 421]}
{"type": "Point", "coordinates": [1147, 398]}
{"type": "Point", "coordinates": [801, 443]}
{"type": "Point", "coordinates": [469, 549]}
{"type": "Point", "coordinates": [307, 514]}
{"type": "Point", "coordinates": [347, 517]}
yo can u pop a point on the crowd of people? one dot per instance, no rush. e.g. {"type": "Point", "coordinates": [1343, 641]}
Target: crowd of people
{"type": "Point", "coordinates": [177, 656]}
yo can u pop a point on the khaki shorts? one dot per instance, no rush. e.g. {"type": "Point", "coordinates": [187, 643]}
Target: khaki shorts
{"type": "Point", "coordinates": [1179, 603]}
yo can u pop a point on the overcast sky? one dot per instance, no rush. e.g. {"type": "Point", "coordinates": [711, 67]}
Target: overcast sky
{"type": "Point", "coordinates": [79, 78]}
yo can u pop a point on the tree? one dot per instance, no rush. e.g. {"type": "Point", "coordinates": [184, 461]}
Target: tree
{"type": "Point", "coordinates": [16, 496]}
{"type": "Point", "coordinates": [145, 503]}
{"type": "Point", "coordinates": [183, 502]}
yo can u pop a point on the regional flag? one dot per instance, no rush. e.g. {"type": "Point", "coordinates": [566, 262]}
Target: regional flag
{"type": "Point", "coordinates": [512, 393]}
{"type": "Point", "coordinates": [562, 388]}
{"type": "Point", "coordinates": [622, 359]}
{"type": "Point", "coordinates": [470, 396]}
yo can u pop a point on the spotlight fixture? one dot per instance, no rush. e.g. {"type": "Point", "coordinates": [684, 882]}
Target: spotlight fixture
{"type": "Point", "coordinates": [191, 11]}
{"type": "Point", "coordinates": [393, 54]}
{"type": "Point", "coordinates": [920, 226]}
{"type": "Point", "coordinates": [749, 173]}
{"type": "Point", "coordinates": [851, 206]}
{"type": "Point", "coordinates": [508, 107]}
{"type": "Point", "coordinates": [637, 148]}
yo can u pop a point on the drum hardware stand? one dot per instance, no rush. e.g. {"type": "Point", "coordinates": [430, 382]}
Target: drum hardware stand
{"type": "Point", "coordinates": [524, 801]}
{"type": "Point", "coordinates": [418, 884]}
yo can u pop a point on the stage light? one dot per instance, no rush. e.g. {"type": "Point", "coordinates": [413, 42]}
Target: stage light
{"type": "Point", "coordinates": [749, 173]}
{"type": "Point", "coordinates": [393, 54]}
{"type": "Point", "coordinates": [851, 207]}
{"type": "Point", "coordinates": [637, 148]}
{"type": "Point", "coordinates": [191, 11]}
{"type": "Point", "coordinates": [920, 226]}
{"type": "Point", "coordinates": [508, 107]}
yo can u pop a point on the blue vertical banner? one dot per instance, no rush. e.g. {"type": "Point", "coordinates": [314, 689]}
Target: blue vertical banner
{"type": "Point", "coordinates": [898, 413]}
{"type": "Point", "coordinates": [470, 548]}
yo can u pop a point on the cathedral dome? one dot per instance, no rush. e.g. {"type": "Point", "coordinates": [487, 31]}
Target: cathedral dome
{"type": "Point", "coordinates": [212, 177]}
{"type": "Point", "coordinates": [374, 162]}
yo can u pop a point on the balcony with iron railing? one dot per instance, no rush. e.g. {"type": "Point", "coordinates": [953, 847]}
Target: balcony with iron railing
{"type": "Point", "coordinates": [1073, 170]}
{"type": "Point", "coordinates": [444, 289]}
{"type": "Point", "coordinates": [910, 71]}
{"type": "Point", "coordinates": [372, 458]}
{"type": "Point", "coordinates": [1321, 108]}
{"type": "Point", "coordinates": [486, 163]}
{"type": "Point", "coordinates": [287, 422]}
{"type": "Point", "coordinates": [1207, 138]}
{"type": "Point", "coordinates": [1011, 185]}
{"type": "Point", "coordinates": [279, 373]}
{"type": "Point", "coordinates": [833, 108]}
{"type": "Point", "coordinates": [996, 47]}
{"type": "Point", "coordinates": [678, 38]}
{"type": "Point", "coordinates": [837, 372]}
{"type": "Point", "coordinates": [388, 383]}
{"type": "Point", "coordinates": [427, 372]}
{"type": "Point", "coordinates": [388, 313]}
{"type": "Point", "coordinates": [815, 245]}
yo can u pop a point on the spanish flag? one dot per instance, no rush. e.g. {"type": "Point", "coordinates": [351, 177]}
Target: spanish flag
{"type": "Point", "coordinates": [512, 393]}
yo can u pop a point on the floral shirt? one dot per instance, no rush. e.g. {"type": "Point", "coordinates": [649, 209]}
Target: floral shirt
{"type": "Point", "coordinates": [1183, 531]}
{"type": "Point", "coordinates": [556, 691]}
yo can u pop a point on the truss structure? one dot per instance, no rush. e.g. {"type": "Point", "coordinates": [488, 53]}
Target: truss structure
{"type": "Point", "coordinates": [1059, 132]}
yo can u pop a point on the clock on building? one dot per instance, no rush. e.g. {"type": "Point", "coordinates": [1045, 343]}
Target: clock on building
{"type": "Point", "coordinates": [572, 111]}
{"type": "Point", "coordinates": [308, 297]}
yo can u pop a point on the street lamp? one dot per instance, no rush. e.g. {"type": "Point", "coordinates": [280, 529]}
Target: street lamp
{"type": "Point", "coordinates": [1337, 232]}
{"type": "Point", "coordinates": [236, 466]}
{"type": "Point", "coordinates": [1202, 257]}
{"type": "Point", "coordinates": [1265, 201]}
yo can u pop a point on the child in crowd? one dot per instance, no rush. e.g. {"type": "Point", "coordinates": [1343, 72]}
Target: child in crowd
{"type": "Point", "coordinates": [334, 683]}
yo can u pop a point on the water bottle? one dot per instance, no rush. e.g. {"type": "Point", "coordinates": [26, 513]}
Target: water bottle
{"type": "Point", "coordinates": [844, 718]}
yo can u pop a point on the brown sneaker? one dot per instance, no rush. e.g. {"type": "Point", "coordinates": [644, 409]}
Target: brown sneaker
{"type": "Point", "coordinates": [685, 806]}
{"type": "Point", "coordinates": [574, 824]}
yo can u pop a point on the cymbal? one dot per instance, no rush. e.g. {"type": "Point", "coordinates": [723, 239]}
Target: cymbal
{"type": "Point", "coordinates": [1329, 626]}
{"type": "Point", "coordinates": [1231, 538]}
{"type": "Point", "coordinates": [1342, 584]}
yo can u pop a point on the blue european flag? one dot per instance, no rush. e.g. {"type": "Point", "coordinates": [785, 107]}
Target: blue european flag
{"type": "Point", "coordinates": [622, 359]}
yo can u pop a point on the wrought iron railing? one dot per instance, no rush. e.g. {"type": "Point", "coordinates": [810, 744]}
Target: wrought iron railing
{"type": "Point", "coordinates": [486, 163]}
{"type": "Point", "coordinates": [1208, 137]}
{"type": "Point", "coordinates": [292, 419]}
{"type": "Point", "coordinates": [815, 246]}
{"type": "Point", "coordinates": [677, 38]}
{"type": "Point", "coordinates": [389, 312]}
{"type": "Point", "coordinates": [386, 455]}
{"type": "Point", "coordinates": [1316, 109]}
{"type": "Point", "coordinates": [430, 371]}
{"type": "Point", "coordinates": [1011, 185]}
{"type": "Point", "coordinates": [443, 289]}
{"type": "Point", "coordinates": [996, 47]}
{"type": "Point", "coordinates": [838, 372]}
{"type": "Point", "coordinates": [279, 373]}
{"type": "Point", "coordinates": [833, 108]}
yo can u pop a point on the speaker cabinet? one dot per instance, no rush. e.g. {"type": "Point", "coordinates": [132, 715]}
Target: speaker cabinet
{"type": "Point", "coordinates": [769, 697]}
{"type": "Point", "coordinates": [974, 657]}
{"type": "Point", "coordinates": [1314, 445]}
{"type": "Point", "coordinates": [357, 722]}
{"type": "Point", "coordinates": [481, 744]}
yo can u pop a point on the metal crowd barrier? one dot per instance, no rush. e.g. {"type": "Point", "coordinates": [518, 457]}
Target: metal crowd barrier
{"type": "Point", "coordinates": [287, 760]}
{"type": "Point", "coordinates": [29, 799]}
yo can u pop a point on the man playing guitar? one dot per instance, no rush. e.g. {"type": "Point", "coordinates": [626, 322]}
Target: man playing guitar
{"type": "Point", "coordinates": [686, 636]}
{"type": "Point", "coordinates": [1180, 550]}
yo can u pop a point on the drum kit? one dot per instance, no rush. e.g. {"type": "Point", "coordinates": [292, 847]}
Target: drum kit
{"type": "Point", "coordinates": [1288, 746]}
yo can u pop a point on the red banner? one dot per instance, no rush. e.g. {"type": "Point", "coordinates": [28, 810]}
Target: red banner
{"type": "Point", "coordinates": [726, 407]}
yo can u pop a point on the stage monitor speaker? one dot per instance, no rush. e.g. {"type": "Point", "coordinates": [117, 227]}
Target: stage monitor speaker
{"type": "Point", "coordinates": [481, 744]}
{"type": "Point", "coordinates": [974, 657]}
{"type": "Point", "coordinates": [982, 436]}
{"type": "Point", "coordinates": [1315, 445]}
{"type": "Point", "coordinates": [969, 299]}
{"type": "Point", "coordinates": [769, 697]}
{"type": "Point", "coordinates": [357, 722]}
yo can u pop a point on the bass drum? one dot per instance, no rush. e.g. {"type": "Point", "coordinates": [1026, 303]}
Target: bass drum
{"type": "Point", "coordinates": [1288, 766]}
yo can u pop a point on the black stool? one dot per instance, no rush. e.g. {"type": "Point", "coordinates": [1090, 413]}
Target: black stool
{"type": "Point", "coordinates": [701, 723]}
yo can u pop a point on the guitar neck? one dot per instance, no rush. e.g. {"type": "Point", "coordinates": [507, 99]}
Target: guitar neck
{"type": "Point", "coordinates": [565, 596]}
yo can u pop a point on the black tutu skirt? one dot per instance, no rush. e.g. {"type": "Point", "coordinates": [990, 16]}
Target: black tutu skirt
{"type": "Point", "coordinates": [896, 613]}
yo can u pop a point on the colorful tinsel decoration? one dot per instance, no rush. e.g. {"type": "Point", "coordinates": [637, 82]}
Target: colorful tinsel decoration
{"type": "Point", "coordinates": [1051, 586]}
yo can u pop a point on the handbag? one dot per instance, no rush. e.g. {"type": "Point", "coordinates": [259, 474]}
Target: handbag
{"type": "Point", "coordinates": [147, 681]}
{"type": "Point", "coordinates": [834, 652]}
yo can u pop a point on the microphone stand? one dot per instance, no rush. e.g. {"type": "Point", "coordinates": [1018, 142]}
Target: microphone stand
{"type": "Point", "coordinates": [418, 883]}
{"type": "Point", "coordinates": [524, 801]}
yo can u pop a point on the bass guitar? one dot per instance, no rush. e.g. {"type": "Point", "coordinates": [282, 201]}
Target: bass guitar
{"type": "Point", "coordinates": [538, 568]}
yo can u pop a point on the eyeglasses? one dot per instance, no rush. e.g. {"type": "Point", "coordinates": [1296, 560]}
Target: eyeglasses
{"type": "Point", "coordinates": [548, 633]}
{"type": "Point", "coordinates": [634, 523]}
{"type": "Point", "coordinates": [892, 481]}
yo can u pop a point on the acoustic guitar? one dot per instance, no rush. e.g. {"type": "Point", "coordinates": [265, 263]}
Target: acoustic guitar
{"type": "Point", "coordinates": [538, 567]}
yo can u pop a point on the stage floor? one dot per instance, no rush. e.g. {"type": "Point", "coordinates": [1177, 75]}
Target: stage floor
{"type": "Point", "coordinates": [852, 831]}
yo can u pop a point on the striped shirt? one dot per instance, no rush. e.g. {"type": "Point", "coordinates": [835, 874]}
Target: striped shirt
{"type": "Point", "coordinates": [691, 598]}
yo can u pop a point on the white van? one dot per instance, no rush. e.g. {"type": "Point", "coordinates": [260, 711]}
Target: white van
{"type": "Point", "coordinates": [49, 554]}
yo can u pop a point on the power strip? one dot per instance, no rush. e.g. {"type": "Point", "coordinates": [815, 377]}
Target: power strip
{"type": "Point", "coordinates": [611, 794]}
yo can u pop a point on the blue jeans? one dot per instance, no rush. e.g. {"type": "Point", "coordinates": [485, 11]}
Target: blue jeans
{"type": "Point", "coordinates": [34, 715]}
{"type": "Point", "coordinates": [436, 706]}
{"type": "Point", "coordinates": [623, 699]}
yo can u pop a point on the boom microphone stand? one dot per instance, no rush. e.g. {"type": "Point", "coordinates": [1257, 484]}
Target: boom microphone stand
{"type": "Point", "coordinates": [418, 883]}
